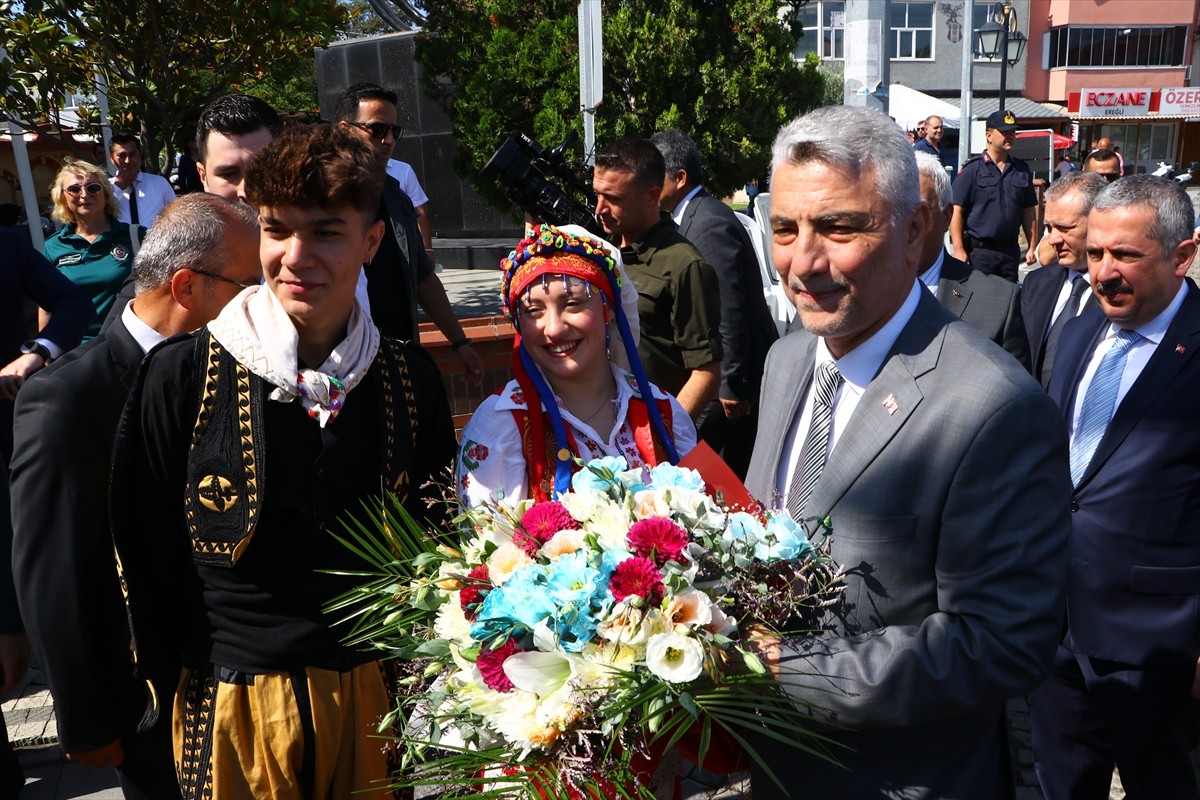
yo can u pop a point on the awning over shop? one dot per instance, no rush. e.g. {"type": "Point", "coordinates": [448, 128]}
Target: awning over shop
{"type": "Point", "coordinates": [910, 107]}
{"type": "Point", "coordinates": [1022, 108]}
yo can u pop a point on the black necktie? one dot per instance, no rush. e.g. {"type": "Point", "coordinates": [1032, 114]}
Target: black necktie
{"type": "Point", "coordinates": [1079, 285]}
{"type": "Point", "coordinates": [133, 215]}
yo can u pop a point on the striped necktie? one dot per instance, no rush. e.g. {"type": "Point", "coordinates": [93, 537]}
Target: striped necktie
{"type": "Point", "coordinates": [812, 458]}
{"type": "Point", "coordinates": [1099, 403]}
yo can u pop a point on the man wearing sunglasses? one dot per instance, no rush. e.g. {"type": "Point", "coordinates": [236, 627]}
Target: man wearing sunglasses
{"type": "Point", "coordinates": [1105, 163]}
{"type": "Point", "coordinates": [202, 252]}
{"type": "Point", "coordinates": [141, 196]}
{"type": "Point", "coordinates": [401, 276]}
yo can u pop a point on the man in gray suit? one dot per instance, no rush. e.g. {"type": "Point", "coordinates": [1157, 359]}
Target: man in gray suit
{"type": "Point", "coordinates": [942, 470]}
{"type": "Point", "coordinates": [988, 302]}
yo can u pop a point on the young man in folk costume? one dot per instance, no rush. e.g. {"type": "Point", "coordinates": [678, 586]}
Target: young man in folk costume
{"type": "Point", "coordinates": [275, 423]}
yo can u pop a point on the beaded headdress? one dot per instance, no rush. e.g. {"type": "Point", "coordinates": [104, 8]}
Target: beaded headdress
{"type": "Point", "coordinates": [573, 251]}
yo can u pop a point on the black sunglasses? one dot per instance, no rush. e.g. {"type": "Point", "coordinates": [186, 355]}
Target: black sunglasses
{"type": "Point", "coordinates": [217, 277]}
{"type": "Point", "coordinates": [92, 188]}
{"type": "Point", "coordinates": [380, 130]}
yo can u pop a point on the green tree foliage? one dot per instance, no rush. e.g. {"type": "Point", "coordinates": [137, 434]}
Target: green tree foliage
{"type": "Point", "coordinates": [163, 60]}
{"type": "Point", "coordinates": [720, 70]}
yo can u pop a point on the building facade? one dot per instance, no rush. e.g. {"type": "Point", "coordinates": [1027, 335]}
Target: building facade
{"type": "Point", "coordinates": [1122, 69]}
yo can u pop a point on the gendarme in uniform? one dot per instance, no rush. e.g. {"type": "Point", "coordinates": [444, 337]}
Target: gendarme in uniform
{"type": "Point", "coordinates": [994, 203]}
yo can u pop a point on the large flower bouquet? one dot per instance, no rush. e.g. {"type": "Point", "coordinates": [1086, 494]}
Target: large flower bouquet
{"type": "Point", "coordinates": [560, 647]}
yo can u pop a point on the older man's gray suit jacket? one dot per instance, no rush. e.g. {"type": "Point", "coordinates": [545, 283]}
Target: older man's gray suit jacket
{"type": "Point", "coordinates": [949, 496]}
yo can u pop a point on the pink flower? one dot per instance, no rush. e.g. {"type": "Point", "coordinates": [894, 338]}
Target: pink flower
{"type": "Point", "coordinates": [476, 589]}
{"type": "Point", "coordinates": [540, 523]}
{"type": "Point", "coordinates": [638, 576]}
{"type": "Point", "coordinates": [658, 539]}
{"type": "Point", "coordinates": [491, 665]}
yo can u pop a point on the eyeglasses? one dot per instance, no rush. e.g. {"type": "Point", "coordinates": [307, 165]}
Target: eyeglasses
{"type": "Point", "coordinates": [380, 130]}
{"type": "Point", "coordinates": [92, 188]}
{"type": "Point", "coordinates": [217, 277]}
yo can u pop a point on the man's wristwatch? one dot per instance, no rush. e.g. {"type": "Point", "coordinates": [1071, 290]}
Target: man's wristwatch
{"type": "Point", "coordinates": [38, 349]}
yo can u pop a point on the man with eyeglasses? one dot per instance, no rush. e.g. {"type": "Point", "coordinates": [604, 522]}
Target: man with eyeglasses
{"type": "Point", "coordinates": [200, 254]}
{"type": "Point", "coordinates": [401, 276]}
{"type": "Point", "coordinates": [140, 196]}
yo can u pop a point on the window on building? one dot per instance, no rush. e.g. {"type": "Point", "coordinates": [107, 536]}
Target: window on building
{"type": "Point", "coordinates": [912, 31]}
{"type": "Point", "coordinates": [824, 29]}
{"type": "Point", "coordinates": [1118, 46]}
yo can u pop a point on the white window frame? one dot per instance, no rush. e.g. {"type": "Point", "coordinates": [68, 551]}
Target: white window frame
{"type": "Point", "coordinates": [911, 32]}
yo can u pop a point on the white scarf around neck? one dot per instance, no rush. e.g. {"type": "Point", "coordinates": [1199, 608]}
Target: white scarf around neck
{"type": "Point", "coordinates": [256, 330]}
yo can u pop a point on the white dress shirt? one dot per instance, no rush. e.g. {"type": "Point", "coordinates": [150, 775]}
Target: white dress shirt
{"type": "Point", "coordinates": [931, 276]}
{"type": "Point", "coordinates": [858, 368]}
{"type": "Point", "coordinates": [143, 334]}
{"type": "Point", "coordinates": [682, 206]}
{"type": "Point", "coordinates": [154, 192]}
{"type": "Point", "coordinates": [1152, 334]}
{"type": "Point", "coordinates": [1064, 294]}
{"type": "Point", "coordinates": [407, 178]}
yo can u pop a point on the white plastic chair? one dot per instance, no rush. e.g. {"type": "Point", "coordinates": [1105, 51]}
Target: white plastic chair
{"type": "Point", "coordinates": [782, 310]}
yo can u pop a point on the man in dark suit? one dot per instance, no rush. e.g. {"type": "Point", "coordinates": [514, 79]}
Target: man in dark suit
{"type": "Point", "coordinates": [747, 330]}
{"type": "Point", "coordinates": [988, 302]}
{"type": "Point", "coordinates": [940, 465]}
{"type": "Point", "coordinates": [1125, 677]}
{"type": "Point", "coordinates": [1059, 290]}
{"type": "Point", "coordinates": [201, 250]}
{"type": "Point", "coordinates": [24, 272]}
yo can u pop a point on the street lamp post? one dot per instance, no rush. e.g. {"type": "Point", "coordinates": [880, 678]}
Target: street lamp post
{"type": "Point", "coordinates": [993, 39]}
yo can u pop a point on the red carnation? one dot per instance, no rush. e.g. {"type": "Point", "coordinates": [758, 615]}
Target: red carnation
{"type": "Point", "coordinates": [491, 665]}
{"type": "Point", "coordinates": [658, 539]}
{"type": "Point", "coordinates": [477, 586]}
{"type": "Point", "coordinates": [638, 576]}
{"type": "Point", "coordinates": [540, 523]}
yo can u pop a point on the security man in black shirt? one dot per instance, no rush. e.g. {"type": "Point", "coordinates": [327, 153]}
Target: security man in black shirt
{"type": "Point", "coordinates": [994, 200]}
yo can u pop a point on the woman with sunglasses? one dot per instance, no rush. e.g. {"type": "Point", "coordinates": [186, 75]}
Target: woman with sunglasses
{"type": "Point", "coordinates": [93, 250]}
{"type": "Point", "coordinates": [579, 389]}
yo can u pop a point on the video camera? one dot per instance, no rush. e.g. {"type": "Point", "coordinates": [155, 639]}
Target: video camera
{"type": "Point", "coordinates": [542, 183]}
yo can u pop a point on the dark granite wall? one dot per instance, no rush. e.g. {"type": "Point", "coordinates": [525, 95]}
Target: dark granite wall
{"type": "Point", "coordinates": [455, 211]}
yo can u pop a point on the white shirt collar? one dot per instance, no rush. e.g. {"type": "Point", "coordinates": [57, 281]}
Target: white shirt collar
{"type": "Point", "coordinates": [860, 366]}
{"type": "Point", "coordinates": [143, 334]}
{"type": "Point", "coordinates": [679, 209]}
{"type": "Point", "coordinates": [931, 276]}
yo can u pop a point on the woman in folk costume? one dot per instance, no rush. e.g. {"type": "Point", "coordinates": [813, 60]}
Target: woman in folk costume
{"type": "Point", "coordinates": [579, 389]}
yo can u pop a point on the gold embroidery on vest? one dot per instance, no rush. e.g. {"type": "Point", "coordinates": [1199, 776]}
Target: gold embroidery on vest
{"type": "Point", "coordinates": [217, 493]}
{"type": "Point", "coordinates": [249, 464]}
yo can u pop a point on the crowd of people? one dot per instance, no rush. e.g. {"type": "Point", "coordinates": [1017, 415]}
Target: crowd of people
{"type": "Point", "coordinates": [1009, 471]}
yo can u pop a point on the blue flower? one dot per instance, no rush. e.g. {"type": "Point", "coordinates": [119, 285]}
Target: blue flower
{"type": "Point", "coordinates": [745, 528]}
{"type": "Point", "coordinates": [666, 476]}
{"type": "Point", "coordinates": [599, 474]}
{"type": "Point", "coordinates": [517, 606]}
{"type": "Point", "coordinates": [580, 594]}
{"type": "Point", "coordinates": [781, 540]}
{"type": "Point", "coordinates": [789, 539]}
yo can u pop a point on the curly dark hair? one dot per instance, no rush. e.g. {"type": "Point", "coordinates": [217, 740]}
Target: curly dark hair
{"type": "Point", "coordinates": [316, 166]}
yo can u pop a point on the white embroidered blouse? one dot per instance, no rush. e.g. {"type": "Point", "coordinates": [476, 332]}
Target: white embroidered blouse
{"type": "Point", "coordinates": [491, 462]}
